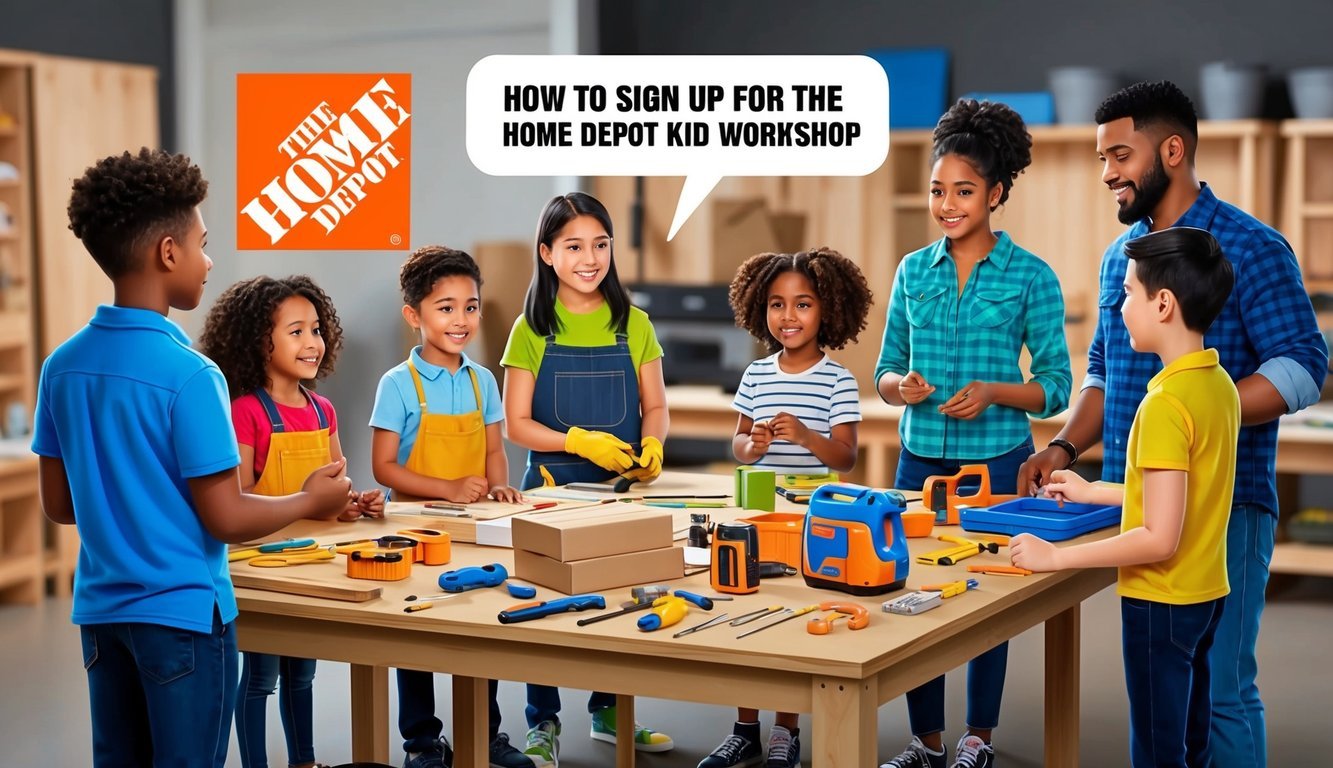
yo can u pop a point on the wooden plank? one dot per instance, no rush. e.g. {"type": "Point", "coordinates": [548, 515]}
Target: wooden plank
{"type": "Point", "coordinates": [304, 588]}
{"type": "Point", "coordinates": [471, 720]}
{"type": "Point", "coordinates": [370, 713]}
{"type": "Point", "coordinates": [844, 731]}
{"type": "Point", "coordinates": [1062, 687]}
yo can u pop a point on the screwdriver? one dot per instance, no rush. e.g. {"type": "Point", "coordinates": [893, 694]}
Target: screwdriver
{"type": "Point", "coordinates": [666, 611]}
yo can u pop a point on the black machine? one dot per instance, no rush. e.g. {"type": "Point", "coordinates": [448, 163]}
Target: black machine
{"type": "Point", "coordinates": [700, 341]}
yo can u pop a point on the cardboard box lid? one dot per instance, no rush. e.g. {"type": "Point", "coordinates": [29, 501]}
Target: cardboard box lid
{"type": "Point", "coordinates": [594, 531]}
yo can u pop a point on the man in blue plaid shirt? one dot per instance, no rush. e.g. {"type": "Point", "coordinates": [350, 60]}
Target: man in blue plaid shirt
{"type": "Point", "coordinates": [1267, 339]}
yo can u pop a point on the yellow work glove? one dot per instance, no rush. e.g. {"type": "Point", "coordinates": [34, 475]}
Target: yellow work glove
{"type": "Point", "coordinates": [601, 448]}
{"type": "Point", "coordinates": [650, 457]}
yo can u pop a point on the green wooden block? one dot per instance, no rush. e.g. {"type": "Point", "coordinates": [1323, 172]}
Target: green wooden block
{"type": "Point", "coordinates": [755, 488]}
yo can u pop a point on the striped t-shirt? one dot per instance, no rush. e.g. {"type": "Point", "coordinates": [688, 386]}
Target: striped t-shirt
{"type": "Point", "coordinates": [822, 396]}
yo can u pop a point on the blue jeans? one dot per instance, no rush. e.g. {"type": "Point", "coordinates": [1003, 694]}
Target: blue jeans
{"type": "Point", "coordinates": [296, 705]}
{"type": "Point", "coordinates": [160, 696]}
{"type": "Point", "coordinates": [544, 703]}
{"type": "Point", "coordinates": [985, 673]}
{"type": "Point", "coordinates": [417, 722]}
{"type": "Point", "coordinates": [1238, 714]}
{"type": "Point", "coordinates": [1166, 673]}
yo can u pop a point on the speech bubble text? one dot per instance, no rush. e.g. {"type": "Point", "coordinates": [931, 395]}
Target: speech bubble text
{"type": "Point", "coordinates": [702, 117]}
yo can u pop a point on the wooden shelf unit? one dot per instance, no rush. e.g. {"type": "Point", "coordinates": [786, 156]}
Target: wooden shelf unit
{"type": "Point", "coordinates": [49, 286]}
{"type": "Point", "coordinates": [1307, 198]}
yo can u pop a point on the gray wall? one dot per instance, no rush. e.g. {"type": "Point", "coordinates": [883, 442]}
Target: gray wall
{"type": "Point", "coordinates": [996, 45]}
{"type": "Point", "coordinates": [130, 31]}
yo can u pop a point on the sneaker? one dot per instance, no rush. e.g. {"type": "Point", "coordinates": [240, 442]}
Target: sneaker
{"type": "Point", "coordinates": [972, 752]}
{"type": "Point", "coordinates": [506, 755]}
{"type": "Point", "coordinates": [784, 748]}
{"type": "Point", "coordinates": [740, 748]}
{"type": "Point", "coordinates": [544, 744]}
{"type": "Point", "coordinates": [917, 756]}
{"type": "Point", "coordinates": [441, 755]}
{"type": "Point", "coordinates": [645, 739]}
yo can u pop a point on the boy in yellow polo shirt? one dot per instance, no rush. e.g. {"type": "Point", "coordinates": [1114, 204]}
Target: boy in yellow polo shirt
{"type": "Point", "coordinates": [1180, 467]}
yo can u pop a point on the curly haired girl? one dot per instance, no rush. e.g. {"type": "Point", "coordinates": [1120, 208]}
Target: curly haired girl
{"type": "Point", "coordinates": [798, 410]}
{"type": "Point", "coordinates": [960, 313]}
{"type": "Point", "coordinates": [270, 337]}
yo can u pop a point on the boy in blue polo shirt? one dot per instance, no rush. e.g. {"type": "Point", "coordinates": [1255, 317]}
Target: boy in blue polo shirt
{"type": "Point", "coordinates": [136, 448]}
{"type": "Point", "coordinates": [436, 422]}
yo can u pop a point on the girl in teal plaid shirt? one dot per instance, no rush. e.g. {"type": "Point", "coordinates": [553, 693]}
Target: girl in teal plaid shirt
{"type": "Point", "coordinates": [960, 313]}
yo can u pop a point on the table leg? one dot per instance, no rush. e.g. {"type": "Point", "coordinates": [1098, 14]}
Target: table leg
{"type": "Point", "coordinates": [844, 724]}
{"type": "Point", "coordinates": [1062, 688]}
{"type": "Point", "coordinates": [624, 731]}
{"type": "Point", "coordinates": [472, 714]}
{"type": "Point", "coordinates": [370, 713]}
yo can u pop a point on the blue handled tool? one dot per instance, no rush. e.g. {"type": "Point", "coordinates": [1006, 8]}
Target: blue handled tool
{"type": "Point", "coordinates": [521, 591]}
{"type": "Point", "coordinates": [473, 577]}
{"type": "Point", "coordinates": [699, 600]}
{"type": "Point", "coordinates": [530, 611]}
{"type": "Point", "coordinates": [272, 548]}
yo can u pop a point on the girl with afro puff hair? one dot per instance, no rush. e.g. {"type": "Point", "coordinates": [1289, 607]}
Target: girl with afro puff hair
{"type": "Point", "coordinates": [960, 312]}
{"type": "Point", "coordinates": [798, 410]}
{"type": "Point", "coordinates": [272, 337]}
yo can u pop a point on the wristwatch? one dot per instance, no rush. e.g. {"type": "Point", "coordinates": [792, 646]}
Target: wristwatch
{"type": "Point", "coordinates": [1068, 447]}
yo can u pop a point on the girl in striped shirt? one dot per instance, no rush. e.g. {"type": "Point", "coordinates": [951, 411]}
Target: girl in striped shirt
{"type": "Point", "coordinates": [798, 410]}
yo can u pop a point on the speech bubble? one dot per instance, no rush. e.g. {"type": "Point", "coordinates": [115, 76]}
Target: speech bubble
{"type": "Point", "coordinates": [703, 117]}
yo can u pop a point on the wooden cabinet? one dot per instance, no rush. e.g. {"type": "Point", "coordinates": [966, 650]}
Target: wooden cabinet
{"type": "Point", "coordinates": [57, 117]}
{"type": "Point", "coordinates": [1307, 199]}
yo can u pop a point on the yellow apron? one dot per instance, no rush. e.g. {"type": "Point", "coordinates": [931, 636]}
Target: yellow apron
{"type": "Point", "coordinates": [292, 456]}
{"type": "Point", "coordinates": [448, 446]}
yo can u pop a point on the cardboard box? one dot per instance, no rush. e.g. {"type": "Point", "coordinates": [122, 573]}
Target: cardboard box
{"type": "Point", "coordinates": [600, 573]}
{"type": "Point", "coordinates": [595, 531]}
{"type": "Point", "coordinates": [506, 266]}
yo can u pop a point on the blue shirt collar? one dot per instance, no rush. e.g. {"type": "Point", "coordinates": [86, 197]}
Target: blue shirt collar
{"type": "Point", "coordinates": [1199, 214]}
{"type": "Point", "coordinates": [432, 372]}
{"type": "Point", "coordinates": [999, 255]}
{"type": "Point", "coordinates": [135, 318]}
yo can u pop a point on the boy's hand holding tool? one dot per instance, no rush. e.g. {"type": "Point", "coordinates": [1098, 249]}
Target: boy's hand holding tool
{"type": "Point", "coordinates": [601, 448]}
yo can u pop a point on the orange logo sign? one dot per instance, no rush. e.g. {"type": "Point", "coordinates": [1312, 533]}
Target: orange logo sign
{"type": "Point", "coordinates": [323, 161]}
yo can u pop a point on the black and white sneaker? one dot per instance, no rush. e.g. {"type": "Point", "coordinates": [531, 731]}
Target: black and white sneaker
{"type": "Point", "coordinates": [741, 748]}
{"type": "Point", "coordinates": [972, 752]}
{"type": "Point", "coordinates": [917, 756]}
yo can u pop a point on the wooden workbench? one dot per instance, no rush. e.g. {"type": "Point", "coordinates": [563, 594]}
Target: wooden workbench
{"type": "Point", "coordinates": [841, 678]}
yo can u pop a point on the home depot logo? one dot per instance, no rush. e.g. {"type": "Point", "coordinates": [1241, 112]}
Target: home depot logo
{"type": "Point", "coordinates": [323, 161]}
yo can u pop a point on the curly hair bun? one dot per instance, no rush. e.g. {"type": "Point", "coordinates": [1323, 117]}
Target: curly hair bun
{"type": "Point", "coordinates": [989, 134]}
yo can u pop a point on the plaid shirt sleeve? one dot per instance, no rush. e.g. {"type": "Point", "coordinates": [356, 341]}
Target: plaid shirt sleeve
{"type": "Point", "coordinates": [1044, 336]}
{"type": "Point", "coordinates": [893, 352]}
{"type": "Point", "coordinates": [1278, 317]}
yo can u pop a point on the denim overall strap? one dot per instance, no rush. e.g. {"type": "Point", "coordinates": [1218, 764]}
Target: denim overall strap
{"type": "Point", "coordinates": [596, 388]}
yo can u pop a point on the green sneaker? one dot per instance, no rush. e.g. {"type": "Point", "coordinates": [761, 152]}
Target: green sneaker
{"type": "Point", "coordinates": [544, 744]}
{"type": "Point", "coordinates": [645, 739]}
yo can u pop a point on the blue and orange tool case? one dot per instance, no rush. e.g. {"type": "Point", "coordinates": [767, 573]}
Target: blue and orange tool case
{"type": "Point", "coordinates": [1041, 517]}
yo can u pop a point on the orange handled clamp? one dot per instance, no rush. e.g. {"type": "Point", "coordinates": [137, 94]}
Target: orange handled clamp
{"type": "Point", "coordinates": [1003, 570]}
{"type": "Point", "coordinates": [858, 617]}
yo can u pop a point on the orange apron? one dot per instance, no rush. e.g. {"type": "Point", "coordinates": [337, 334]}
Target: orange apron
{"type": "Point", "coordinates": [292, 456]}
{"type": "Point", "coordinates": [448, 446]}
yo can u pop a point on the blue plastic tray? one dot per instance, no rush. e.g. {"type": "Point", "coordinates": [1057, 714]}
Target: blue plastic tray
{"type": "Point", "coordinates": [1042, 517]}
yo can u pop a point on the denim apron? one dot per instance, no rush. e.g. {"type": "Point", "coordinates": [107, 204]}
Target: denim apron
{"type": "Point", "coordinates": [596, 388]}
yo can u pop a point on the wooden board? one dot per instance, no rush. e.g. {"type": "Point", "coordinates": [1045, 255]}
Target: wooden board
{"type": "Point", "coordinates": [306, 588]}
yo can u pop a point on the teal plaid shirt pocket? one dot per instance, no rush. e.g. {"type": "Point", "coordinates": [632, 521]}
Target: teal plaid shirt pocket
{"type": "Point", "coordinates": [1011, 300]}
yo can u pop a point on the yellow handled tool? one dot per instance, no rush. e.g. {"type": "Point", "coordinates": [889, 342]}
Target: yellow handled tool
{"type": "Point", "coordinates": [952, 588]}
{"type": "Point", "coordinates": [301, 557]}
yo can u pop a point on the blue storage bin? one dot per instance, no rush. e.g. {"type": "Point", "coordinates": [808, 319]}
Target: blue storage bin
{"type": "Point", "coordinates": [1035, 107]}
{"type": "Point", "coordinates": [918, 84]}
{"type": "Point", "coordinates": [1039, 516]}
